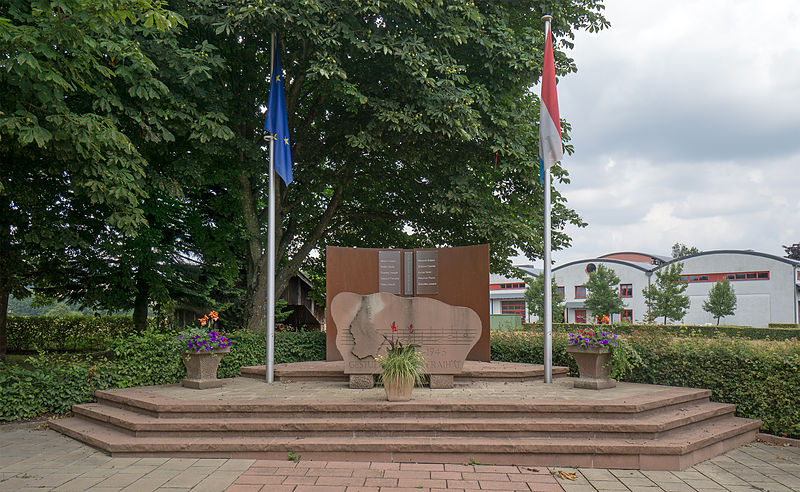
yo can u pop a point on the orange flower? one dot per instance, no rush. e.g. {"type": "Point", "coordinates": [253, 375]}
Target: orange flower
{"type": "Point", "coordinates": [213, 315]}
{"type": "Point", "coordinates": [203, 320]}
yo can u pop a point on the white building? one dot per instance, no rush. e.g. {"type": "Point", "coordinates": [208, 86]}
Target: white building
{"type": "Point", "coordinates": [767, 287]}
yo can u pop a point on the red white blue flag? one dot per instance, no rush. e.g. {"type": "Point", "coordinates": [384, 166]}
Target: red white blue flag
{"type": "Point", "coordinates": [550, 146]}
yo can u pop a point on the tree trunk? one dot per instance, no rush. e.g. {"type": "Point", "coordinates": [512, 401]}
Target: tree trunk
{"type": "Point", "coordinates": [665, 319]}
{"type": "Point", "coordinates": [3, 320]}
{"type": "Point", "coordinates": [256, 265]}
{"type": "Point", "coordinates": [140, 304]}
{"type": "Point", "coordinates": [717, 321]}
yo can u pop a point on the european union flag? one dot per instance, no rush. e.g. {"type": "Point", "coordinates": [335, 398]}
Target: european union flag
{"type": "Point", "coordinates": [277, 123]}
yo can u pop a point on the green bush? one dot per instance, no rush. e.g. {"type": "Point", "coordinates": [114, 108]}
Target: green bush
{"type": "Point", "coordinates": [773, 333]}
{"type": "Point", "coordinates": [52, 383]}
{"type": "Point", "coordinates": [67, 333]}
{"type": "Point", "coordinates": [783, 325]}
{"type": "Point", "coordinates": [759, 377]}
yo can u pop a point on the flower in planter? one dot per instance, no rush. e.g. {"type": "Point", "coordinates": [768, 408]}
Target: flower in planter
{"type": "Point", "coordinates": [588, 337]}
{"type": "Point", "coordinates": [200, 340]}
{"type": "Point", "coordinates": [624, 357]}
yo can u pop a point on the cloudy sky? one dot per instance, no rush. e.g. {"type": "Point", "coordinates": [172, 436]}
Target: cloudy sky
{"type": "Point", "coordinates": [686, 127]}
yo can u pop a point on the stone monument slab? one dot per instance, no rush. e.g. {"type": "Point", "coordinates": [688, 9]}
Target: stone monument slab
{"type": "Point", "coordinates": [444, 334]}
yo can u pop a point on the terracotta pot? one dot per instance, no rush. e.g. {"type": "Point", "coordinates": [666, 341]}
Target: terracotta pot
{"type": "Point", "coordinates": [397, 390]}
{"type": "Point", "coordinates": [593, 366]}
{"type": "Point", "coordinates": [201, 369]}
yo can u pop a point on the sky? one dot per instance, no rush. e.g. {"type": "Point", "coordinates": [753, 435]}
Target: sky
{"type": "Point", "coordinates": [686, 125]}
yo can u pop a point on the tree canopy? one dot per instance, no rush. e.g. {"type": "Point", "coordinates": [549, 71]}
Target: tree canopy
{"type": "Point", "coordinates": [793, 251]}
{"type": "Point", "coordinates": [534, 297]}
{"type": "Point", "coordinates": [721, 300]}
{"type": "Point", "coordinates": [602, 292]}
{"type": "Point", "coordinates": [665, 297]}
{"type": "Point", "coordinates": [412, 124]}
{"type": "Point", "coordinates": [679, 250]}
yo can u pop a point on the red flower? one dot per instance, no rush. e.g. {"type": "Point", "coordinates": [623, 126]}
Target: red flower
{"type": "Point", "coordinates": [394, 326]}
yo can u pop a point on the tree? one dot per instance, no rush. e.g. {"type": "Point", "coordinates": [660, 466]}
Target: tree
{"type": "Point", "coordinates": [534, 297]}
{"type": "Point", "coordinates": [793, 251]}
{"type": "Point", "coordinates": [679, 250]}
{"type": "Point", "coordinates": [721, 300]}
{"type": "Point", "coordinates": [102, 107]}
{"type": "Point", "coordinates": [666, 296]}
{"type": "Point", "coordinates": [602, 293]}
{"type": "Point", "coordinates": [398, 112]}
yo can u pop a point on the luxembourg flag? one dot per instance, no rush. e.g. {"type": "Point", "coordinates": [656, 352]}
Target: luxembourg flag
{"type": "Point", "coordinates": [550, 147]}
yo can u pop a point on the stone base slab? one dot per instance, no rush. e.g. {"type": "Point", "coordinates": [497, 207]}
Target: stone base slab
{"type": "Point", "coordinates": [362, 381]}
{"type": "Point", "coordinates": [201, 383]}
{"type": "Point", "coordinates": [595, 384]}
{"type": "Point", "coordinates": [441, 381]}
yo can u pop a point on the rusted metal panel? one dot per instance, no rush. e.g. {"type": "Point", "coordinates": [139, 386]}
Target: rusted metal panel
{"type": "Point", "coordinates": [462, 279]}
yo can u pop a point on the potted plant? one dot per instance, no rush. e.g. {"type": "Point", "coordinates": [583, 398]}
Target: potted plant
{"type": "Point", "coordinates": [403, 367]}
{"type": "Point", "coordinates": [601, 356]}
{"type": "Point", "coordinates": [203, 351]}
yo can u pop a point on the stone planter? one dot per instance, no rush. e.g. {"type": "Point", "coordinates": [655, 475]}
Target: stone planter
{"type": "Point", "coordinates": [398, 391]}
{"type": "Point", "coordinates": [201, 369]}
{"type": "Point", "coordinates": [593, 366]}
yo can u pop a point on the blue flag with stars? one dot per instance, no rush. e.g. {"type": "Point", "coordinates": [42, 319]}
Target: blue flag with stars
{"type": "Point", "coordinates": [277, 123]}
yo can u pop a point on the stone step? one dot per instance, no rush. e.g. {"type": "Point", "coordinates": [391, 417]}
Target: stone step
{"type": "Point", "coordinates": [676, 452]}
{"type": "Point", "coordinates": [152, 405]}
{"type": "Point", "coordinates": [645, 426]}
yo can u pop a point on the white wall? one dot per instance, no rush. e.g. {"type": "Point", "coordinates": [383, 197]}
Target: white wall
{"type": "Point", "coordinates": [758, 302]}
{"type": "Point", "coordinates": [573, 274]}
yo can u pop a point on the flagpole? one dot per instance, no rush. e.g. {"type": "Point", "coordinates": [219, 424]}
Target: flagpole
{"type": "Point", "coordinates": [270, 335]}
{"type": "Point", "coordinates": [548, 291]}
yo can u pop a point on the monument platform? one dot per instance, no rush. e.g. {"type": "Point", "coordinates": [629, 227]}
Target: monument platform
{"type": "Point", "coordinates": [473, 371]}
{"type": "Point", "coordinates": [633, 426]}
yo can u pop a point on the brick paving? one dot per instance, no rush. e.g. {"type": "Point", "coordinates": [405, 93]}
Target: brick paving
{"type": "Point", "coordinates": [37, 460]}
{"type": "Point", "coordinates": [331, 476]}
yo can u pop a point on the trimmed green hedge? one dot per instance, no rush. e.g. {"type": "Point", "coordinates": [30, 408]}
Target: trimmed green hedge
{"type": "Point", "coordinates": [772, 333]}
{"type": "Point", "coordinates": [67, 333]}
{"type": "Point", "coordinates": [54, 383]}
{"type": "Point", "coordinates": [761, 378]}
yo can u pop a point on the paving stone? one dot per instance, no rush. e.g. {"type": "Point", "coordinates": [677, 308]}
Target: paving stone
{"type": "Point", "coordinates": [772, 486]}
{"type": "Point", "coordinates": [236, 465]}
{"type": "Point", "coordinates": [597, 474]}
{"type": "Point", "coordinates": [627, 473]}
{"type": "Point", "coordinates": [637, 482]}
{"type": "Point", "coordinates": [79, 484]}
{"type": "Point", "coordinates": [608, 485]}
{"type": "Point", "coordinates": [577, 487]}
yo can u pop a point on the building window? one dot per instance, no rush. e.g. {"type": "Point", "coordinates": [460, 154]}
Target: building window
{"type": "Point", "coordinates": [561, 291]}
{"type": "Point", "coordinates": [512, 307]}
{"type": "Point", "coordinates": [580, 316]}
{"type": "Point", "coordinates": [716, 277]}
{"type": "Point", "coordinates": [580, 292]}
{"type": "Point", "coordinates": [627, 315]}
{"type": "Point", "coordinates": [591, 268]}
{"type": "Point", "coordinates": [626, 290]}
{"type": "Point", "coordinates": [518, 285]}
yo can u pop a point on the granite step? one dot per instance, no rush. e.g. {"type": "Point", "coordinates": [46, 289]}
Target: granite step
{"type": "Point", "coordinates": [645, 426]}
{"type": "Point", "coordinates": [678, 451]}
{"type": "Point", "coordinates": [671, 399]}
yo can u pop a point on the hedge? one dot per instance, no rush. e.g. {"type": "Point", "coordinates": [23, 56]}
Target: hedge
{"type": "Point", "coordinates": [55, 382]}
{"type": "Point", "coordinates": [760, 378]}
{"type": "Point", "coordinates": [752, 333]}
{"type": "Point", "coordinates": [67, 333]}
